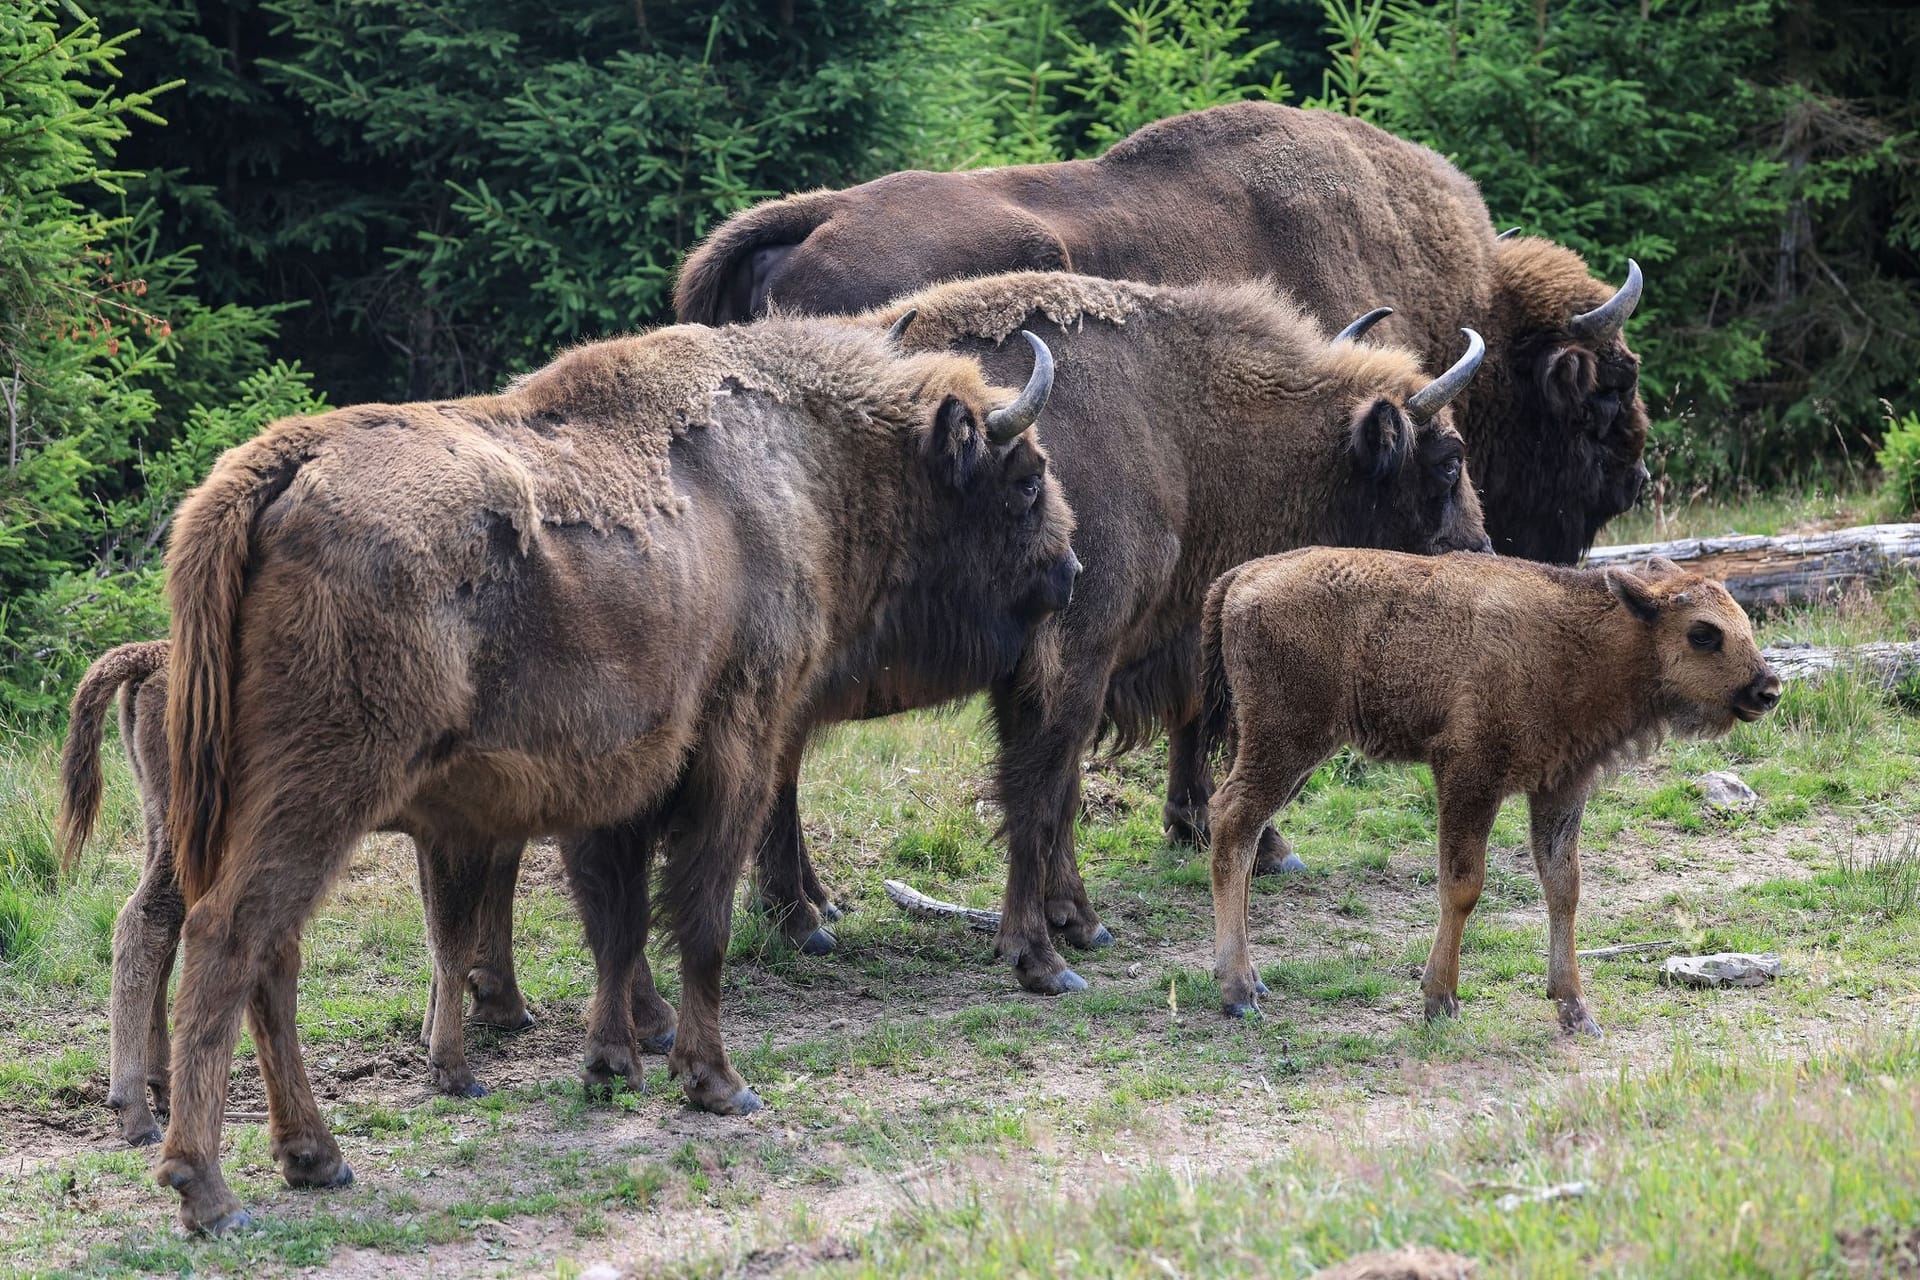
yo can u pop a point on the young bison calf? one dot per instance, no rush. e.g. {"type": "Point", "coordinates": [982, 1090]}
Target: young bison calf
{"type": "Point", "coordinates": [1504, 675]}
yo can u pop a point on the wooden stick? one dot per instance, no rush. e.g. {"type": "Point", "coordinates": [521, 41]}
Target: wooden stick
{"type": "Point", "coordinates": [910, 899]}
{"type": "Point", "coordinates": [1628, 948]}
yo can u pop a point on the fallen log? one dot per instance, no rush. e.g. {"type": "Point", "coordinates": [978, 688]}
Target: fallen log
{"type": "Point", "coordinates": [1800, 568]}
{"type": "Point", "coordinates": [1888, 664]}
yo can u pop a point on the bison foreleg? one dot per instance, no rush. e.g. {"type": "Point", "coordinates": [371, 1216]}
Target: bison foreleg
{"type": "Point", "coordinates": [789, 890]}
{"type": "Point", "coordinates": [1189, 787]}
{"type": "Point", "coordinates": [607, 871]}
{"type": "Point", "coordinates": [1468, 806]}
{"type": "Point", "coordinates": [1266, 777]}
{"type": "Point", "coordinates": [144, 938]}
{"type": "Point", "coordinates": [496, 988]}
{"type": "Point", "coordinates": [1556, 852]}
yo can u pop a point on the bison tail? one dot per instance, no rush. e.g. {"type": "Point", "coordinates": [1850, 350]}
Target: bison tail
{"type": "Point", "coordinates": [206, 572]}
{"type": "Point", "coordinates": [715, 285]}
{"type": "Point", "coordinates": [1217, 728]}
{"type": "Point", "coordinates": [80, 758]}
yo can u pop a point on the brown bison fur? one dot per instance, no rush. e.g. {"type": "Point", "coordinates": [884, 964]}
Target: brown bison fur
{"type": "Point", "coordinates": [597, 603]}
{"type": "Point", "coordinates": [148, 930]}
{"type": "Point", "coordinates": [1342, 215]}
{"type": "Point", "coordinates": [1505, 676]}
{"type": "Point", "coordinates": [1192, 427]}
{"type": "Point", "coordinates": [1413, 1262]}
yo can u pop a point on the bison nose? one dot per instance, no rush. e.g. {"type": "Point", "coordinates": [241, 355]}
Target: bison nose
{"type": "Point", "coordinates": [1764, 692]}
{"type": "Point", "coordinates": [1060, 581]}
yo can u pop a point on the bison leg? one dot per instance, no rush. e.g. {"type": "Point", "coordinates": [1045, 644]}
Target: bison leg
{"type": "Point", "coordinates": [1556, 852]}
{"type": "Point", "coordinates": [496, 988]}
{"type": "Point", "coordinates": [654, 1020]}
{"type": "Point", "coordinates": [1040, 753]}
{"type": "Point", "coordinates": [607, 871]}
{"type": "Point", "coordinates": [275, 871]}
{"type": "Point", "coordinates": [454, 874]}
{"type": "Point", "coordinates": [721, 807]}
{"type": "Point", "coordinates": [1468, 807]}
{"type": "Point", "coordinates": [1190, 785]}
{"type": "Point", "coordinates": [302, 1144]}
{"type": "Point", "coordinates": [144, 938]}
{"type": "Point", "coordinates": [789, 890]}
{"type": "Point", "coordinates": [1266, 776]}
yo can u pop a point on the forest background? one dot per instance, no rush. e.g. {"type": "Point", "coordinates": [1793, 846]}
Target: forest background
{"type": "Point", "coordinates": [213, 214]}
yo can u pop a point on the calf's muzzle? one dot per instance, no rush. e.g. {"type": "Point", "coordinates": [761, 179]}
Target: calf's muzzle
{"type": "Point", "coordinates": [1760, 696]}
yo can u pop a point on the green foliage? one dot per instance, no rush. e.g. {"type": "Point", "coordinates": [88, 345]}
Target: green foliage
{"type": "Point", "coordinates": [1899, 461]}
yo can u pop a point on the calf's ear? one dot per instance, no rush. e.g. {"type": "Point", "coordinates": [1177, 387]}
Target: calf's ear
{"type": "Point", "coordinates": [1632, 592]}
{"type": "Point", "coordinates": [1661, 566]}
{"type": "Point", "coordinates": [1381, 439]}
{"type": "Point", "coordinates": [956, 445]}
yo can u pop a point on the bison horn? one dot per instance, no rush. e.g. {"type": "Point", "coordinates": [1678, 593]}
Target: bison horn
{"type": "Point", "coordinates": [1008, 421]}
{"type": "Point", "coordinates": [899, 329]}
{"type": "Point", "coordinates": [1508, 234]}
{"type": "Point", "coordinates": [1610, 316]}
{"type": "Point", "coordinates": [1358, 329]}
{"type": "Point", "coordinates": [1436, 395]}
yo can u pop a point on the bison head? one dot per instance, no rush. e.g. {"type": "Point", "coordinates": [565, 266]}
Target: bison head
{"type": "Point", "coordinates": [1408, 488]}
{"type": "Point", "coordinates": [1558, 430]}
{"type": "Point", "coordinates": [1709, 671]}
{"type": "Point", "coordinates": [990, 555]}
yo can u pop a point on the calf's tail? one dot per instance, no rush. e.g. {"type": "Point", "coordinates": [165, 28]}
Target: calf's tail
{"type": "Point", "coordinates": [1218, 732]}
{"type": "Point", "coordinates": [80, 778]}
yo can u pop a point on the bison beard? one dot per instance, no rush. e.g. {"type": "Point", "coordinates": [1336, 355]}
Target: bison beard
{"type": "Point", "coordinates": [1192, 428]}
{"type": "Point", "coordinates": [1340, 214]}
{"type": "Point", "coordinates": [600, 602]}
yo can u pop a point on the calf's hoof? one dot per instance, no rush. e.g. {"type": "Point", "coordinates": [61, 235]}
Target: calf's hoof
{"type": "Point", "coordinates": [206, 1206]}
{"type": "Point", "coordinates": [1239, 1008]}
{"type": "Point", "coordinates": [741, 1102]}
{"type": "Point", "coordinates": [820, 942]}
{"type": "Point", "coordinates": [1057, 982]}
{"type": "Point", "coordinates": [313, 1166]}
{"type": "Point", "coordinates": [661, 1042]}
{"type": "Point", "coordinates": [1099, 939]}
{"type": "Point", "coordinates": [1576, 1021]}
{"type": "Point", "coordinates": [1259, 987]}
{"type": "Point", "coordinates": [455, 1082]}
{"type": "Point", "coordinates": [1276, 856]}
{"type": "Point", "coordinates": [829, 910]}
{"type": "Point", "coordinates": [607, 1069]}
{"type": "Point", "coordinates": [504, 1017]}
{"type": "Point", "coordinates": [226, 1224]}
{"type": "Point", "coordinates": [1439, 1007]}
{"type": "Point", "coordinates": [141, 1134]}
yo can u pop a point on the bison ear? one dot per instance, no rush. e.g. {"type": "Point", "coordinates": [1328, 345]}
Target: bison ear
{"type": "Point", "coordinates": [1660, 566]}
{"type": "Point", "coordinates": [956, 445]}
{"type": "Point", "coordinates": [1565, 379]}
{"type": "Point", "coordinates": [1632, 592]}
{"type": "Point", "coordinates": [1381, 438]}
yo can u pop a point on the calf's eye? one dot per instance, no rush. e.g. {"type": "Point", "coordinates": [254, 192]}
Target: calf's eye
{"type": "Point", "coordinates": [1704, 636]}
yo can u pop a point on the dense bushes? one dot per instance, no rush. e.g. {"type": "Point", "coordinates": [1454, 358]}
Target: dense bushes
{"type": "Point", "coordinates": [416, 197]}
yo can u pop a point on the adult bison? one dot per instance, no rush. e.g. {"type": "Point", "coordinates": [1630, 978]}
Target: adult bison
{"type": "Point", "coordinates": [599, 602]}
{"type": "Point", "coordinates": [1342, 215]}
{"type": "Point", "coordinates": [1192, 428]}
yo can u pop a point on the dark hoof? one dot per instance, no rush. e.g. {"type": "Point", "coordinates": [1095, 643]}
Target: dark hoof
{"type": "Point", "coordinates": [1440, 1008]}
{"type": "Point", "coordinates": [744, 1103]}
{"type": "Point", "coordinates": [1237, 1009]}
{"type": "Point", "coordinates": [829, 911]}
{"type": "Point", "coordinates": [228, 1223]}
{"type": "Point", "coordinates": [474, 1090]}
{"type": "Point", "coordinates": [820, 942]}
{"type": "Point", "coordinates": [293, 1172]}
{"type": "Point", "coordinates": [1062, 983]}
{"type": "Point", "coordinates": [1260, 988]}
{"type": "Point", "coordinates": [1289, 865]}
{"type": "Point", "coordinates": [1576, 1021]}
{"type": "Point", "coordinates": [1184, 826]}
{"type": "Point", "coordinates": [144, 1137]}
{"type": "Point", "coordinates": [344, 1178]}
{"type": "Point", "coordinates": [1102, 939]}
{"type": "Point", "coordinates": [658, 1044]}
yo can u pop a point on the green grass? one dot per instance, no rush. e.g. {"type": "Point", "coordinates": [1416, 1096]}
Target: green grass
{"type": "Point", "coordinates": [907, 1063]}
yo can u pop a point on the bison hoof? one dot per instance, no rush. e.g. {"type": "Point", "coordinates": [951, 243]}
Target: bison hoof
{"type": "Point", "coordinates": [1259, 987]}
{"type": "Point", "coordinates": [474, 1089]}
{"type": "Point", "coordinates": [318, 1172]}
{"type": "Point", "coordinates": [1276, 856]}
{"type": "Point", "coordinates": [820, 942]}
{"type": "Point", "coordinates": [1065, 982]}
{"type": "Point", "coordinates": [1576, 1021]}
{"type": "Point", "coordinates": [659, 1043]}
{"type": "Point", "coordinates": [143, 1135]}
{"type": "Point", "coordinates": [1099, 940]}
{"type": "Point", "coordinates": [829, 911]}
{"type": "Point", "coordinates": [1239, 1008]}
{"type": "Point", "coordinates": [505, 1019]}
{"type": "Point", "coordinates": [743, 1103]}
{"type": "Point", "coordinates": [1442, 1007]}
{"type": "Point", "coordinates": [227, 1224]}
{"type": "Point", "coordinates": [603, 1076]}
{"type": "Point", "coordinates": [1184, 826]}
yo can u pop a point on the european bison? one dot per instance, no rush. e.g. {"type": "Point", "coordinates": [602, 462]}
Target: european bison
{"type": "Point", "coordinates": [147, 932]}
{"type": "Point", "coordinates": [1339, 213]}
{"type": "Point", "coordinates": [1505, 676]}
{"type": "Point", "coordinates": [1192, 428]}
{"type": "Point", "coordinates": [598, 602]}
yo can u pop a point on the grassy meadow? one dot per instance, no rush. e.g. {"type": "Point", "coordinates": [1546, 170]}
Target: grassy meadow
{"type": "Point", "coordinates": [925, 1117]}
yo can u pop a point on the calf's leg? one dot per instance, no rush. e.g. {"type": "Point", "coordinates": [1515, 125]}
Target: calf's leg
{"type": "Point", "coordinates": [1189, 788]}
{"type": "Point", "coordinates": [454, 873]}
{"type": "Point", "coordinates": [1556, 852]}
{"type": "Point", "coordinates": [607, 872]}
{"type": "Point", "coordinates": [1268, 773]}
{"type": "Point", "coordinates": [144, 937]}
{"type": "Point", "coordinates": [1468, 806]}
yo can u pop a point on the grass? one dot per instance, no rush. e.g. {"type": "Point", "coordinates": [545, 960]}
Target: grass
{"type": "Point", "coordinates": [926, 1118]}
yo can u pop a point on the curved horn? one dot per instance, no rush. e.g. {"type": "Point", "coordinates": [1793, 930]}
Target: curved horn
{"type": "Point", "coordinates": [899, 329]}
{"type": "Point", "coordinates": [1508, 234]}
{"type": "Point", "coordinates": [1008, 421]}
{"type": "Point", "coordinates": [1357, 330]}
{"type": "Point", "coordinates": [1433, 397]}
{"type": "Point", "coordinates": [1610, 316]}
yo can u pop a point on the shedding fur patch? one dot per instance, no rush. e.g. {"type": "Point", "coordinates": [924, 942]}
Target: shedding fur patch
{"type": "Point", "coordinates": [993, 307]}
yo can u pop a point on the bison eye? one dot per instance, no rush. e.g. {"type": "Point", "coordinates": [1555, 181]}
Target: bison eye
{"type": "Point", "coordinates": [1704, 636]}
{"type": "Point", "coordinates": [1029, 487]}
{"type": "Point", "coordinates": [1449, 471]}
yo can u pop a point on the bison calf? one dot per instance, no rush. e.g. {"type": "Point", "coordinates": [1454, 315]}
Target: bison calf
{"type": "Point", "coordinates": [1503, 675]}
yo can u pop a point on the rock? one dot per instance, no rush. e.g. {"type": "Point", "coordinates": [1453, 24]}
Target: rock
{"type": "Point", "coordinates": [1726, 792]}
{"type": "Point", "coordinates": [1727, 969]}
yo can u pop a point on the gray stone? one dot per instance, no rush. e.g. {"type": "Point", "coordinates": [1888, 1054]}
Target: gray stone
{"type": "Point", "coordinates": [1726, 791]}
{"type": "Point", "coordinates": [1727, 969]}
